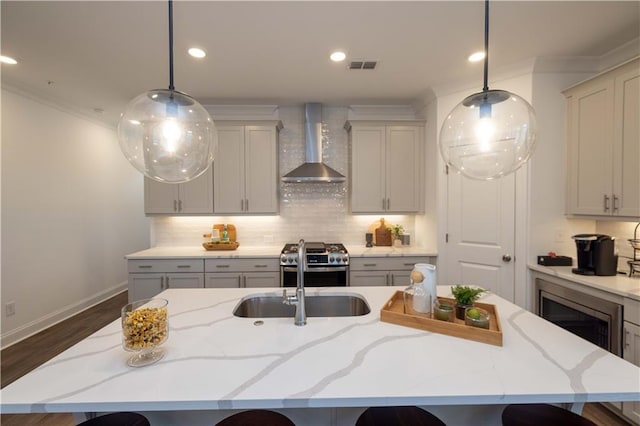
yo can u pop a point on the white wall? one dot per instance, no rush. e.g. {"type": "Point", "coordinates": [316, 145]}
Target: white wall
{"type": "Point", "coordinates": [549, 229]}
{"type": "Point", "coordinates": [72, 207]}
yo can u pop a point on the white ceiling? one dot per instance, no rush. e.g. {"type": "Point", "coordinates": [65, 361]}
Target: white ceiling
{"type": "Point", "coordinates": [102, 54]}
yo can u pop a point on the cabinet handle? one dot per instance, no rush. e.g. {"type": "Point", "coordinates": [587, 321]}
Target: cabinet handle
{"type": "Point", "coordinates": [260, 266]}
{"type": "Point", "coordinates": [383, 204]}
{"type": "Point", "coordinates": [244, 282]}
{"type": "Point", "coordinates": [241, 205]}
{"type": "Point", "coordinates": [386, 280]}
{"type": "Point", "coordinates": [626, 342]}
{"type": "Point", "coordinates": [606, 203]}
{"type": "Point", "coordinates": [370, 264]}
{"type": "Point", "coordinates": [615, 203]}
{"type": "Point", "coordinates": [239, 281]}
{"type": "Point", "coordinates": [393, 280]}
{"type": "Point", "coordinates": [246, 205]}
{"type": "Point", "coordinates": [388, 203]}
{"type": "Point", "coordinates": [161, 283]}
{"type": "Point", "coordinates": [409, 264]}
{"type": "Point", "coordinates": [179, 205]}
{"type": "Point", "coordinates": [184, 266]}
{"type": "Point", "coordinates": [222, 266]}
{"type": "Point", "coordinates": [145, 266]}
{"type": "Point", "coordinates": [167, 283]}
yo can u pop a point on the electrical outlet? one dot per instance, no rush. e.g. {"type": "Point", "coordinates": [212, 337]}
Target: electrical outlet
{"type": "Point", "coordinates": [10, 309]}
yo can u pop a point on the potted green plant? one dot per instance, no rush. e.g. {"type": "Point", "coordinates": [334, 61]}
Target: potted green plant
{"type": "Point", "coordinates": [397, 230]}
{"type": "Point", "coordinates": [465, 296]}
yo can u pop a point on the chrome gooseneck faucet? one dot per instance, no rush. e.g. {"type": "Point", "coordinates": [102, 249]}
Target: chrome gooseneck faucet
{"type": "Point", "coordinates": [298, 299]}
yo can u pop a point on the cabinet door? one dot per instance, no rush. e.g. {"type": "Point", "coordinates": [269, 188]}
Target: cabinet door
{"type": "Point", "coordinates": [400, 278]}
{"type": "Point", "coordinates": [228, 170]}
{"type": "Point", "coordinates": [261, 279]}
{"type": "Point", "coordinates": [196, 196]}
{"type": "Point", "coordinates": [626, 166]}
{"type": "Point", "coordinates": [590, 114]}
{"type": "Point", "coordinates": [184, 281]}
{"type": "Point", "coordinates": [368, 278]}
{"type": "Point", "coordinates": [223, 280]}
{"type": "Point", "coordinates": [160, 198]}
{"type": "Point", "coordinates": [145, 286]}
{"type": "Point", "coordinates": [403, 172]}
{"type": "Point", "coordinates": [368, 194]}
{"type": "Point", "coordinates": [631, 352]}
{"type": "Point", "coordinates": [261, 170]}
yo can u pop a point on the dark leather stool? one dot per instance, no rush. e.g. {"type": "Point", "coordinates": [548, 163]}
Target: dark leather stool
{"type": "Point", "coordinates": [118, 419]}
{"type": "Point", "coordinates": [397, 416]}
{"type": "Point", "coordinates": [541, 414]}
{"type": "Point", "coordinates": [256, 418]}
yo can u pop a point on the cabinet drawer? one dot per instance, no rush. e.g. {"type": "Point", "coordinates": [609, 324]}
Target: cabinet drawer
{"type": "Point", "coordinates": [386, 263]}
{"type": "Point", "coordinates": [632, 311]}
{"type": "Point", "coordinates": [165, 265]}
{"type": "Point", "coordinates": [242, 265]}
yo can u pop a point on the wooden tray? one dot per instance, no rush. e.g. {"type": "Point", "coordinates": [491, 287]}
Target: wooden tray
{"type": "Point", "coordinates": [393, 312]}
{"type": "Point", "coordinates": [221, 246]}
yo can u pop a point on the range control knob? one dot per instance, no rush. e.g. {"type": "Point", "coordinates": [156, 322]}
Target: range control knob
{"type": "Point", "coordinates": [283, 258]}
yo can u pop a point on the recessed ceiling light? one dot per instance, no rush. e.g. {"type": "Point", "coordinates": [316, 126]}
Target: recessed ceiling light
{"type": "Point", "coordinates": [338, 56]}
{"type": "Point", "coordinates": [8, 60]}
{"type": "Point", "coordinates": [476, 57]}
{"type": "Point", "coordinates": [197, 52]}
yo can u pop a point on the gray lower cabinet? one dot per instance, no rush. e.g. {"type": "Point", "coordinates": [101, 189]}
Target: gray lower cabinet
{"type": "Point", "coordinates": [384, 271]}
{"type": "Point", "coordinates": [246, 272]}
{"type": "Point", "coordinates": [631, 351]}
{"type": "Point", "coordinates": [147, 278]}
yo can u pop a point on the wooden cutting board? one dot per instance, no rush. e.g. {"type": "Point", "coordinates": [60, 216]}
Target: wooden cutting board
{"type": "Point", "coordinates": [231, 230]}
{"type": "Point", "coordinates": [381, 234]}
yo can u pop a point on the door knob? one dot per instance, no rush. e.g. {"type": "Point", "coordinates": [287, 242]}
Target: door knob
{"type": "Point", "coordinates": [506, 258]}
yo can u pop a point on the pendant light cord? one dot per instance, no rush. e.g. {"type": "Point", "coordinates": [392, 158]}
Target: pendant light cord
{"type": "Point", "coordinates": [486, 46]}
{"type": "Point", "coordinates": [171, 86]}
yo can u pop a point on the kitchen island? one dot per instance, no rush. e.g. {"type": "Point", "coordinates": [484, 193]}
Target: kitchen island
{"type": "Point", "coordinates": [324, 373]}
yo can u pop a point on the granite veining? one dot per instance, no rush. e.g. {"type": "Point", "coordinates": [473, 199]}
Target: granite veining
{"type": "Point", "coordinates": [216, 362]}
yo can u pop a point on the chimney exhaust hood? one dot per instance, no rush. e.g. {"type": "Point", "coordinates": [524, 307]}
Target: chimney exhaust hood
{"type": "Point", "coordinates": [313, 170]}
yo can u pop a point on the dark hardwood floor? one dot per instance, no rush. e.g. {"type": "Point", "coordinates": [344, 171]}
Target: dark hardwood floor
{"type": "Point", "coordinates": [22, 357]}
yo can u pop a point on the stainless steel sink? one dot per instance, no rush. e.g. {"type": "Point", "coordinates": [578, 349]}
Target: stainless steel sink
{"type": "Point", "coordinates": [329, 305]}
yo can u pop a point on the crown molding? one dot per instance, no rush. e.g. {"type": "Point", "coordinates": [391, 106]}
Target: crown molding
{"type": "Point", "coordinates": [381, 112]}
{"type": "Point", "coordinates": [243, 112]}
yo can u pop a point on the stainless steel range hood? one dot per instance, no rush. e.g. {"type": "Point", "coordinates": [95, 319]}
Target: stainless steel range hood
{"type": "Point", "coordinates": [313, 170]}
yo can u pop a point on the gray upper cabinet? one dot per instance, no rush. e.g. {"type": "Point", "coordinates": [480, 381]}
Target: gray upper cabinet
{"type": "Point", "coordinates": [193, 197]}
{"type": "Point", "coordinates": [386, 166]}
{"type": "Point", "coordinates": [603, 141]}
{"type": "Point", "coordinates": [246, 168]}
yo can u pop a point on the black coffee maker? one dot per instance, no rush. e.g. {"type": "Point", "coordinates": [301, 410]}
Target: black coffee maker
{"type": "Point", "coordinates": [595, 255]}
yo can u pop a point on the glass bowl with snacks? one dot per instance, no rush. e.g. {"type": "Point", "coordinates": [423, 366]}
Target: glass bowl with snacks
{"type": "Point", "coordinates": [145, 326]}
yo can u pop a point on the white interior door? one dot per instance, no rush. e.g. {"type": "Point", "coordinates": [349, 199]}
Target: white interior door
{"type": "Point", "coordinates": [481, 233]}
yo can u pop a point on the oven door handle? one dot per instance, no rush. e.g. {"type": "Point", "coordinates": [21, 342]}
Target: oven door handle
{"type": "Point", "coordinates": [316, 268]}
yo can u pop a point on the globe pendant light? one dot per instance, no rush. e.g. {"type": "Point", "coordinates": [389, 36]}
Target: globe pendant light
{"type": "Point", "coordinates": [165, 134]}
{"type": "Point", "coordinates": [491, 133]}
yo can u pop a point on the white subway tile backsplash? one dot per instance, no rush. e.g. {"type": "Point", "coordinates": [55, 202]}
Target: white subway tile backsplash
{"type": "Point", "coordinates": [312, 211]}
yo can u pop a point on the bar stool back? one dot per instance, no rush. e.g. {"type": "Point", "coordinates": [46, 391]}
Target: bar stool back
{"type": "Point", "coordinates": [256, 418]}
{"type": "Point", "coordinates": [397, 416]}
{"type": "Point", "coordinates": [118, 419]}
{"type": "Point", "coordinates": [541, 414]}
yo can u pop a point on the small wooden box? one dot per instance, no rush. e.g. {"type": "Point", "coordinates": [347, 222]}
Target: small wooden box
{"type": "Point", "coordinates": [393, 312]}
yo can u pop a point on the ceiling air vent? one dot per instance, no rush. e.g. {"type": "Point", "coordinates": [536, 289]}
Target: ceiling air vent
{"type": "Point", "coordinates": [363, 65]}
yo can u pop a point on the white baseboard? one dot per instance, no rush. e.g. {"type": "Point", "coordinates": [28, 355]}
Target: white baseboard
{"type": "Point", "coordinates": [27, 330]}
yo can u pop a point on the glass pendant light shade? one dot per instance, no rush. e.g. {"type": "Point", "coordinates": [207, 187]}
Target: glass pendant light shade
{"type": "Point", "coordinates": [489, 134]}
{"type": "Point", "coordinates": [167, 135]}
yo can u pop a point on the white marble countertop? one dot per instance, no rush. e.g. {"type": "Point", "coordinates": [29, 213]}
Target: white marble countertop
{"type": "Point", "coordinates": [196, 252]}
{"type": "Point", "coordinates": [617, 284]}
{"type": "Point", "coordinates": [216, 361]}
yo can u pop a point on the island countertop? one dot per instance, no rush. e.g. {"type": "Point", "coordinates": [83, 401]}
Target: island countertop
{"type": "Point", "coordinates": [215, 361]}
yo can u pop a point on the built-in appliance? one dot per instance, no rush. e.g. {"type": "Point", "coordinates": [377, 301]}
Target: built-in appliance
{"type": "Point", "coordinates": [327, 265]}
{"type": "Point", "coordinates": [596, 255]}
{"type": "Point", "coordinates": [592, 318]}
{"type": "Point", "coordinates": [313, 169]}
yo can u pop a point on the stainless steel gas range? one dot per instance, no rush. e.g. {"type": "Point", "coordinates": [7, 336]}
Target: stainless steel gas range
{"type": "Point", "coordinates": [327, 265]}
